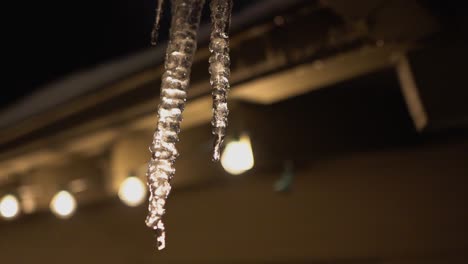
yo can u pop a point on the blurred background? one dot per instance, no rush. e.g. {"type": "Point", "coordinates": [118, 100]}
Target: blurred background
{"type": "Point", "coordinates": [347, 138]}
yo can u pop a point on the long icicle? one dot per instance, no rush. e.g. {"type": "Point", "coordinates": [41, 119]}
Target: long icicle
{"type": "Point", "coordinates": [219, 69]}
{"type": "Point", "coordinates": [157, 19]}
{"type": "Point", "coordinates": [175, 80]}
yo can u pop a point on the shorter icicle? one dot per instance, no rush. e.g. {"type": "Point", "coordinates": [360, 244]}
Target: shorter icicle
{"type": "Point", "coordinates": [175, 81]}
{"type": "Point", "coordinates": [157, 19]}
{"type": "Point", "coordinates": [219, 69]}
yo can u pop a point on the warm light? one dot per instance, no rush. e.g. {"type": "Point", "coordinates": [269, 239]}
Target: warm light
{"type": "Point", "coordinates": [238, 156]}
{"type": "Point", "coordinates": [9, 206]}
{"type": "Point", "coordinates": [28, 204]}
{"type": "Point", "coordinates": [28, 201]}
{"type": "Point", "coordinates": [63, 204]}
{"type": "Point", "coordinates": [132, 191]}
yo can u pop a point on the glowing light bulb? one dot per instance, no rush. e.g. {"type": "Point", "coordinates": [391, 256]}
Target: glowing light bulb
{"type": "Point", "coordinates": [132, 191]}
{"type": "Point", "coordinates": [63, 204]}
{"type": "Point", "coordinates": [238, 157]}
{"type": "Point", "coordinates": [9, 206]}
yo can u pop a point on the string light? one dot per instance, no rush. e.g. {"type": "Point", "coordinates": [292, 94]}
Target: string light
{"type": "Point", "coordinates": [9, 206]}
{"type": "Point", "coordinates": [132, 191]}
{"type": "Point", "coordinates": [238, 156]}
{"type": "Point", "coordinates": [63, 204]}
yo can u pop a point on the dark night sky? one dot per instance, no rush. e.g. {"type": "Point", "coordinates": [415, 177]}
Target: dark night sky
{"type": "Point", "coordinates": [47, 39]}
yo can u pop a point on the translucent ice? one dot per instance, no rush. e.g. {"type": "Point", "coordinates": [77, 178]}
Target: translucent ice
{"type": "Point", "coordinates": [157, 19]}
{"type": "Point", "coordinates": [175, 81]}
{"type": "Point", "coordinates": [219, 69]}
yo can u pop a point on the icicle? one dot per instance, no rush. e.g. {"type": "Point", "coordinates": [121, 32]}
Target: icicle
{"type": "Point", "coordinates": [175, 80]}
{"type": "Point", "coordinates": [219, 69]}
{"type": "Point", "coordinates": [157, 19]}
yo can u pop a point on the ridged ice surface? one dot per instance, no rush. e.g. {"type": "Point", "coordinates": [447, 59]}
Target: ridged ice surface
{"type": "Point", "coordinates": [219, 69]}
{"type": "Point", "coordinates": [175, 80]}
